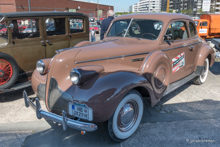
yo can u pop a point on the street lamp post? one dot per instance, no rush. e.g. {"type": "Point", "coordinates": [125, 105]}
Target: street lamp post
{"type": "Point", "coordinates": [98, 9]}
{"type": "Point", "coordinates": [29, 4]}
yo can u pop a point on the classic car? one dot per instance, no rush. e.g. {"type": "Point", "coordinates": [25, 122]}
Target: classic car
{"type": "Point", "coordinates": [41, 35]}
{"type": "Point", "coordinates": [108, 80]}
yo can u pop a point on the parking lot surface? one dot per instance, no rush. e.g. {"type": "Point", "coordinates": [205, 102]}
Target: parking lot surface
{"type": "Point", "coordinates": [189, 116]}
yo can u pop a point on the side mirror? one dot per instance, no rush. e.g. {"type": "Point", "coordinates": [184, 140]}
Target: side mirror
{"type": "Point", "coordinates": [168, 37]}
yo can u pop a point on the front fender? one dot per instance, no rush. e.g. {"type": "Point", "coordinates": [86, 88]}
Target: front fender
{"type": "Point", "coordinates": [104, 92]}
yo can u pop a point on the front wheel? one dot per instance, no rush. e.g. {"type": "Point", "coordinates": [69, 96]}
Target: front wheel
{"type": "Point", "coordinates": [202, 78]}
{"type": "Point", "coordinates": [8, 71]}
{"type": "Point", "coordinates": [127, 117]}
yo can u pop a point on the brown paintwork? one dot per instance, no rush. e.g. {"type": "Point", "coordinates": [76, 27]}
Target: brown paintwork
{"type": "Point", "coordinates": [129, 63]}
{"type": "Point", "coordinates": [28, 51]}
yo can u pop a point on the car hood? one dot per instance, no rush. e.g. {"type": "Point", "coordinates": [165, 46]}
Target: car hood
{"type": "Point", "coordinates": [113, 48]}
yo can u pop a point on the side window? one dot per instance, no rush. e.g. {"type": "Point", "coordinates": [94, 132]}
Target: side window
{"type": "Point", "coordinates": [25, 28]}
{"type": "Point", "coordinates": [178, 30]}
{"type": "Point", "coordinates": [55, 26]}
{"type": "Point", "coordinates": [76, 25]}
{"type": "Point", "coordinates": [192, 29]}
{"type": "Point", "coordinates": [204, 23]}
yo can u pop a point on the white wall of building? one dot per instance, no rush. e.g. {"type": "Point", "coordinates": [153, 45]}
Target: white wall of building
{"type": "Point", "coordinates": [143, 6]}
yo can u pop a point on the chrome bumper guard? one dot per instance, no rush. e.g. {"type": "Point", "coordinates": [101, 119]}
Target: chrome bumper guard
{"type": "Point", "coordinates": [66, 122]}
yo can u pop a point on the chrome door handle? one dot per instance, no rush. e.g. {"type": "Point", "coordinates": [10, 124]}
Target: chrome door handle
{"type": "Point", "coordinates": [191, 48]}
{"type": "Point", "coordinates": [43, 43]}
{"type": "Point", "coordinates": [49, 42]}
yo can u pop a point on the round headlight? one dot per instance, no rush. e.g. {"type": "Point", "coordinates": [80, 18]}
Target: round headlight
{"type": "Point", "coordinates": [75, 76]}
{"type": "Point", "coordinates": [40, 66]}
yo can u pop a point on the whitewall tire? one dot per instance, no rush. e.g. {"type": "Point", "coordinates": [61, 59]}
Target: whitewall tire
{"type": "Point", "coordinates": [202, 78]}
{"type": "Point", "coordinates": [127, 117]}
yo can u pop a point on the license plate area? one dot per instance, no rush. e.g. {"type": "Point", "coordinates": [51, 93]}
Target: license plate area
{"type": "Point", "coordinates": [81, 111]}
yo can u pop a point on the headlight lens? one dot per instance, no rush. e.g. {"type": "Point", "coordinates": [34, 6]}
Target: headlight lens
{"type": "Point", "coordinates": [75, 76]}
{"type": "Point", "coordinates": [40, 66]}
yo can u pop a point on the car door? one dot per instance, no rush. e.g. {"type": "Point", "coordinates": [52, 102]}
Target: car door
{"type": "Point", "coordinates": [56, 34]}
{"type": "Point", "coordinates": [203, 28]}
{"type": "Point", "coordinates": [25, 46]}
{"type": "Point", "coordinates": [176, 46]}
{"type": "Point", "coordinates": [78, 30]}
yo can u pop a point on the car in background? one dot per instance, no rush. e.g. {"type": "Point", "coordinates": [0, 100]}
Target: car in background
{"type": "Point", "coordinates": [34, 35]}
{"type": "Point", "coordinates": [95, 26]}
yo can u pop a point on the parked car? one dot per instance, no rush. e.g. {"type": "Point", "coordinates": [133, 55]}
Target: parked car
{"type": "Point", "coordinates": [46, 33]}
{"type": "Point", "coordinates": [108, 80]}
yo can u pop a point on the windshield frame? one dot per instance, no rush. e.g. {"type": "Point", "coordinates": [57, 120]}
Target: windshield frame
{"type": "Point", "coordinates": [131, 20]}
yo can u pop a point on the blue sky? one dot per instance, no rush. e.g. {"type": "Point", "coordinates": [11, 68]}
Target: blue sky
{"type": "Point", "coordinates": [119, 5]}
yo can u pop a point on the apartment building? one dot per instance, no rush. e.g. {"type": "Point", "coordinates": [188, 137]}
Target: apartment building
{"type": "Point", "coordinates": [194, 7]}
{"type": "Point", "coordinates": [146, 6]}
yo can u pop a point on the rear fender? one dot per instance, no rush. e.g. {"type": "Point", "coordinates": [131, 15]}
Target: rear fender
{"type": "Point", "coordinates": [204, 52]}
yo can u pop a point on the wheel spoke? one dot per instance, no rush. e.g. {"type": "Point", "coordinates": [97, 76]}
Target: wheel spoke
{"type": "Point", "coordinates": [7, 71]}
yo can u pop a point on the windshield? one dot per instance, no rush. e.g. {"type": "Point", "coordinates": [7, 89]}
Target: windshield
{"type": "Point", "coordinates": [196, 22]}
{"type": "Point", "coordinates": [139, 28]}
{"type": "Point", "coordinates": [3, 34]}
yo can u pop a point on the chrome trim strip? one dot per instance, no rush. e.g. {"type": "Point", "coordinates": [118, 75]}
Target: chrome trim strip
{"type": "Point", "coordinates": [128, 27]}
{"type": "Point", "coordinates": [2, 19]}
{"type": "Point", "coordinates": [112, 57]}
{"type": "Point", "coordinates": [180, 83]}
{"type": "Point", "coordinates": [180, 46]}
{"type": "Point", "coordinates": [75, 124]}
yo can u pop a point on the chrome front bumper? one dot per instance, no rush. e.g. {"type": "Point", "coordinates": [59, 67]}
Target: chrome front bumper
{"type": "Point", "coordinates": [66, 122]}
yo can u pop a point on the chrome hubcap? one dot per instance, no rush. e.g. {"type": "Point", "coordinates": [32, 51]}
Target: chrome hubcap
{"type": "Point", "coordinates": [127, 116]}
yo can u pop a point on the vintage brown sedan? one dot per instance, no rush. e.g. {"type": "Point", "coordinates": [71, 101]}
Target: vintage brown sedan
{"type": "Point", "coordinates": [27, 37]}
{"type": "Point", "coordinates": [142, 56]}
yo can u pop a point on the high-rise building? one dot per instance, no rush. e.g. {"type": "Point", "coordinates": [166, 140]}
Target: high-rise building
{"type": "Point", "coordinates": [146, 6]}
{"type": "Point", "coordinates": [191, 7]}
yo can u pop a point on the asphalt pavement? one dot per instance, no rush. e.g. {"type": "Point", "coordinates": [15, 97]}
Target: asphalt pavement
{"type": "Point", "coordinates": [189, 116]}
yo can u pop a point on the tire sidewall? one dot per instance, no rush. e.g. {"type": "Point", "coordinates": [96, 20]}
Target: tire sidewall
{"type": "Point", "coordinates": [116, 131]}
{"type": "Point", "coordinates": [14, 68]}
{"type": "Point", "coordinates": [202, 80]}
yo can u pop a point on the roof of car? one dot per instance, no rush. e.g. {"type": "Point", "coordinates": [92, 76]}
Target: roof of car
{"type": "Point", "coordinates": [156, 16]}
{"type": "Point", "coordinates": [39, 14]}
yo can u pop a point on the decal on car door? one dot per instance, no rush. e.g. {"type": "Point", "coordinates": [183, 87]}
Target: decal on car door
{"type": "Point", "coordinates": [178, 62]}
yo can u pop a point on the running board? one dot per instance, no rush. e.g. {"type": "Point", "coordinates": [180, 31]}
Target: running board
{"type": "Point", "coordinates": [179, 83]}
{"type": "Point", "coordinates": [17, 87]}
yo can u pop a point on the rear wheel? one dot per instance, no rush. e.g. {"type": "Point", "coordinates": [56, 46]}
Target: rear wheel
{"type": "Point", "coordinates": [202, 78]}
{"type": "Point", "coordinates": [127, 117]}
{"type": "Point", "coordinates": [8, 71]}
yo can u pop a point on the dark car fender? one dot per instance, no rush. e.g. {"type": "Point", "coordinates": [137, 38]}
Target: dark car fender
{"type": "Point", "coordinates": [103, 92]}
{"type": "Point", "coordinates": [204, 52]}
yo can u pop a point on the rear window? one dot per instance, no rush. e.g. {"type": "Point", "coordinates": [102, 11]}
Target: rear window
{"type": "Point", "coordinates": [192, 29]}
{"type": "Point", "coordinates": [55, 26]}
{"type": "Point", "coordinates": [76, 25]}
